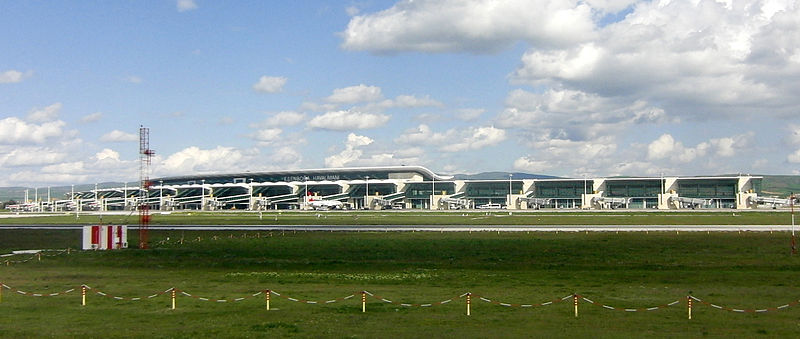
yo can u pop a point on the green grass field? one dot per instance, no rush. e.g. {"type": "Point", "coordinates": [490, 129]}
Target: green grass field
{"type": "Point", "coordinates": [426, 218]}
{"type": "Point", "coordinates": [628, 270]}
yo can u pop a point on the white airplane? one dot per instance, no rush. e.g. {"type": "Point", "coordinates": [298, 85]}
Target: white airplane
{"type": "Point", "coordinates": [325, 204]}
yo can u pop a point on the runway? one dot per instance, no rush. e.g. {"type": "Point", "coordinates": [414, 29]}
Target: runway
{"type": "Point", "coordinates": [443, 228]}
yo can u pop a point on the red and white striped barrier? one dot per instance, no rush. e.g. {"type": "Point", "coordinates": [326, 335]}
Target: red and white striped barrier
{"type": "Point", "coordinates": [105, 237]}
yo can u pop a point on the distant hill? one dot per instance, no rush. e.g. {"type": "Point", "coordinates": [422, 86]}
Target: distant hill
{"type": "Point", "coordinates": [780, 185]}
{"type": "Point", "coordinates": [500, 176]}
{"type": "Point", "coordinates": [56, 192]}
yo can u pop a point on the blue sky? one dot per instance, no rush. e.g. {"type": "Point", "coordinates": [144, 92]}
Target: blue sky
{"type": "Point", "coordinates": [600, 87]}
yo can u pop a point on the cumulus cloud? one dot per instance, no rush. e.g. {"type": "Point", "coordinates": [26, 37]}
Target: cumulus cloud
{"type": "Point", "coordinates": [194, 159]}
{"type": "Point", "coordinates": [268, 84]}
{"type": "Point", "coordinates": [286, 157]}
{"type": "Point", "coordinates": [119, 136]}
{"type": "Point", "coordinates": [478, 26]}
{"type": "Point", "coordinates": [46, 114]}
{"type": "Point", "coordinates": [355, 94]}
{"type": "Point", "coordinates": [281, 119]}
{"type": "Point", "coordinates": [704, 57]}
{"type": "Point", "coordinates": [666, 147]}
{"type": "Point", "coordinates": [267, 136]}
{"type": "Point", "coordinates": [94, 117]}
{"type": "Point", "coordinates": [348, 120]}
{"type": "Point", "coordinates": [528, 164]}
{"type": "Point", "coordinates": [354, 154]}
{"type": "Point", "coordinates": [477, 138]}
{"type": "Point", "coordinates": [186, 5]}
{"type": "Point", "coordinates": [16, 131]}
{"type": "Point", "coordinates": [574, 115]}
{"type": "Point", "coordinates": [453, 140]}
{"type": "Point", "coordinates": [29, 156]}
{"type": "Point", "coordinates": [794, 157]}
{"type": "Point", "coordinates": [11, 76]}
{"type": "Point", "coordinates": [469, 114]}
{"type": "Point", "coordinates": [350, 153]}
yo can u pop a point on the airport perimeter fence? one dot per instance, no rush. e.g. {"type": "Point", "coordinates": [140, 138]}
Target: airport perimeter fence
{"type": "Point", "coordinates": [468, 297]}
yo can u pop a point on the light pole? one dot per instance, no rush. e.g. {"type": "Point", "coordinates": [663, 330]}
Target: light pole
{"type": "Point", "coordinates": [202, 194]}
{"type": "Point", "coordinates": [305, 194]}
{"type": "Point", "coordinates": [366, 193]}
{"type": "Point", "coordinates": [585, 184]}
{"type": "Point", "coordinates": [161, 195]}
{"type": "Point", "coordinates": [791, 206]}
{"type": "Point", "coordinates": [433, 187]}
{"type": "Point", "coordinates": [508, 205]}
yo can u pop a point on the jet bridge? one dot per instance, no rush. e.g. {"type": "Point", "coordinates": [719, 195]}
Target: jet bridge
{"type": "Point", "coordinates": [456, 203]}
{"type": "Point", "coordinates": [611, 202]}
{"type": "Point", "coordinates": [774, 201]}
{"type": "Point", "coordinates": [536, 203]}
{"type": "Point", "coordinates": [693, 202]}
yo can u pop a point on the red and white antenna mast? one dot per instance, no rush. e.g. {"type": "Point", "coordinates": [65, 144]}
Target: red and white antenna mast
{"type": "Point", "coordinates": [145, 156]}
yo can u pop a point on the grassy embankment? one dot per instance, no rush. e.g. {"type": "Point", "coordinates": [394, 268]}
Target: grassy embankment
{"type": "Point", "coordinates": [634, 270]}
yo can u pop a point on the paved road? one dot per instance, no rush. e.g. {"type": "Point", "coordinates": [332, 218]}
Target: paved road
{"type": "Point", "coordinates": [447, 228]}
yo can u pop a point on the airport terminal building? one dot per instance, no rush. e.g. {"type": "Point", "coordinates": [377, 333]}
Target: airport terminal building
{"type": "Point", "coordinates": [416, 187]}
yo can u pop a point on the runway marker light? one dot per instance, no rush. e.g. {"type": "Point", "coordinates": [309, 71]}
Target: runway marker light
{"type": "Point", "coordinates": [575, 302]}
{"type": "Point", "coordinates": [363, 301]}
{"type": "Point", "coordinates": [469, 302]}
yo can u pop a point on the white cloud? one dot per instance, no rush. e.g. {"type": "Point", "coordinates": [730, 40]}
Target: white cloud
{"type": "Point", "coordinates": [666, 147]}
{"type": "Point", "coordinates": [94, 117]}
{"type": "Point", "coordinates": [16, 131]}
{"type": "Point", "coordinates": [453, 140]}
{"type": "Point", "coordinates": [355, 94]}
{"type": "Point", "coordinates": [119, 136]}
{"type": "Point", "coordinates": [194, 159]}
{"type": "Point", "coordinates": [267, 136]}
{"type": "Point", "coordinates": [46, 114]}
{"type": "Point", "coordinates": [698, 58]}
{"type": "Point", "coordinates": [794, 157]}
{"type": "Point", "coordinates": [354, 154]}
{"type": "Point", "coordinates": [29, 156]}
{"type": "Point", "coordinates": [348, 120]}
{"type": "Point", "coordinates": [422, 135]}
{"type": "Point", "coordinates": [475, 25]}
{"type": "Point", "coordinates": [574, 115]}
{"type": "Point", "coordinates": [351, 152]}
{"type": "Point", "coordinates": [534, 166]}
{"type": "Point", "coordinates": [186, 5]}
{"type": "Point", "coordinates": [401, 101]}
{"type": "Point", "coordinates": [476, 138]}
{"type": "Point", "coordinates": [470, 114]}
{"type": "Point", "coordinates": [286, 157]}
{"type": "Point", "coordinates": [268, 84]}
{"type": "Point", "coordinates": [282, 119]}
{"type": "Point", "coordinates": [11, 76]}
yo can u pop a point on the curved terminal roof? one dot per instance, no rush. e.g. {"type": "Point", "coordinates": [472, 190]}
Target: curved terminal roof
{"type": "Point", "coordinates": [345, 173]}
